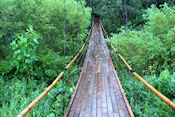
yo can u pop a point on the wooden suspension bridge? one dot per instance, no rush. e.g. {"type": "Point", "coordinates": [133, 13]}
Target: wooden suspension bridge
{"type": "Point", "coordinates": [98, 92]}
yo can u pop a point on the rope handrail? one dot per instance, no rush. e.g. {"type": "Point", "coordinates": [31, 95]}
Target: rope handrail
{"type": "Point", "coordinates": [151, 88]}
{"type": "Point", "coordinates": [47, 90]}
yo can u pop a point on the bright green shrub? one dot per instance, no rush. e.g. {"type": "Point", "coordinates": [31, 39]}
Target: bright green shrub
{"type": "Point", "coordinates": [24, 50]}
{"type": "Point", "coordinates": [17, 94]}
{"type": "Point", "coordinates": [143, 102]}
{"type": "Point", "coordinates": [160, 21]}
{"type": "Point", "coordinates": [166, 84]}
{"type": "Point", "coordinates": [47, 18]}
{"type": "Point", "coordinates": [49, 64]}
{"type": "Point", "coordinates": [153, 47]}
{"type": "Point", "coordinates": [138, 47]}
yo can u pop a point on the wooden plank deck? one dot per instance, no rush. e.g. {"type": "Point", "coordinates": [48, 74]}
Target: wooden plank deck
{"type": "Point", "coordinates": [98, 93]}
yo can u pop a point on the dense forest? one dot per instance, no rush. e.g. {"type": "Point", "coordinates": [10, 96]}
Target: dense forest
{"type": "Point", "coordinates": [33, 51]}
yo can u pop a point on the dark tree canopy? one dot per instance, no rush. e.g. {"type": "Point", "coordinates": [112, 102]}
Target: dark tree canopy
{"type": "Point", "coordinates": [112, 12]}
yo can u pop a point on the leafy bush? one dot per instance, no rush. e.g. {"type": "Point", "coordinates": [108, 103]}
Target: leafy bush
{"type": "Point", "coordinates": [17, 94]}
{"type": "Point", "coordinates": [152, 48]}
{"type": "Point", "coordinates": [143, 102]}
{"type": "Point", "coordinates": [138, 47]}
{"type": "Point", "coordinates": [47, 19]}
{"type": "Point", "coordinates": [24, 47]}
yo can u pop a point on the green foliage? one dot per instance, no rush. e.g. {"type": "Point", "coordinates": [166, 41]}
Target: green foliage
{"type": "Point", "coordinates": [24, 50]}
{"type": "Point", "coordinates": [47, 18]}
{"type": "Point", "coordinates": [6, 68]}
{"type": "Point", "coordinates": [138, 47]}
{"type": "Point", "coordinates": [152, 47]}
{"type": "Point", "coordinates": [166, 84]}
{"type": "Point", "coordinates": [40, 52]}
{"type": "Point", "coordinates": [22, 95]}
{"type": "Point", "coordinates": [142, 101]}
{"type": "Point", "coordinates": [112, 12]}
{"type": "Point", "coordinates": [160, 21]}
{"type": "Point", "coordinates": [49, 64]}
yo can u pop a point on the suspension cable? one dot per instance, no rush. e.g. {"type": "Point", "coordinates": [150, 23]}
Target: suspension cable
{"type": "Point", "coordinates": [125, 3]}
{"type": "Point", "coordinates": [64, 40]}
{"type": "Point", "coordinates": [126, 14]}
{"type": "Point", "coordinates": [79, 59]}
{"type": "Point", "coordinates": [64, 31]}
{"type": "Point", "coordinates": [78, 22]}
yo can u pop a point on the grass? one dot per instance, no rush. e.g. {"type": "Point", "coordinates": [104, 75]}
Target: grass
{"type": "Point", "coordinates": [143, 102]}
{"type": "Point", "coordinates": [17, 94]}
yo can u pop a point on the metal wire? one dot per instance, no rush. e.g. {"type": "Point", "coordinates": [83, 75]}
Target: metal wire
{"type": "Point", "coordinates": [75, 65]}
{"type": "Point", "coordinates": [73, 76]}
{"type": "Point", "coordinates": [64, 30]}
{"type": "Point", "coordinates": [144, 96]}
{"type": "Point", "coordinates": [125, 2]}
{"type": "Point", "coordinates": [71, 79]}
{"type": "Point", "coordinates": [78, 22]}
{"type": "Point", "coordinates": [64, 39]}
{"type": "Point", "coordinates": [80, 57]}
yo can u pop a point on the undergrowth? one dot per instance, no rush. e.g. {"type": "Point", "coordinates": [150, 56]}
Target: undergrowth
{"type": "Point", "coordinates": [145, 103]}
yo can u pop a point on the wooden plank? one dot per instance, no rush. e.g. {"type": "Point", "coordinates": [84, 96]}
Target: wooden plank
{"type": "Point", "coordinates": [82, 94]}
{"type": "Point", "coordinates": [94, 104]}
{"type": "Point", "coordinates": [121, 90]}
{"type": "Point", "coordinates": [85, 97]}
{"type": "Point", "coordinates": [116, 95]}
{"type": "Point", "coordinates": [119, 98]}
{"type": "Point", "coordinates": [99, 94]}
{"type": "Point", "coordinates": [112, 93]}
{"type": "Point", "coordinates": [99, 110]}
{"type": "Point", "coordinates": [108, 97]}
{"type": "Point", "coordinates": [75, 101]}
{"type": "Point", "coordinates": [104, 102]}
{"type": "Point", "coordinates": [90, 93]}
{"type": "Point", "coordinates": [86, 105]}
{"type": "Point", "coordinates": [72, 104]}
{"type": "Point", "coordinates": [73, 107]}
